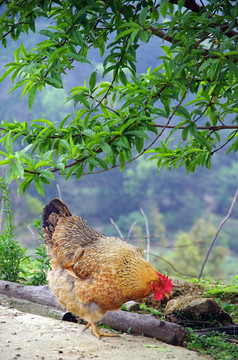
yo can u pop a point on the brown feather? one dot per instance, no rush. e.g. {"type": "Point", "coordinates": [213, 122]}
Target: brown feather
{"type": "Point", "coordinates": [92, 273]}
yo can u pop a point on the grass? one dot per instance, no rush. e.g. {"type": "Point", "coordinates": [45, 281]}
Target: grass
{"type": "Point", "coordinates": [150, 310]}
{"type": "Point", "coordinates": [216, 345]}
{"type": "Point", "coordinates": [222, 292]}
{"type": "Point", "coordinates": [230, 308]}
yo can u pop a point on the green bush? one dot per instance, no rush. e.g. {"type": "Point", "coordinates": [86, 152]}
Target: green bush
{"type": "Point", "coordinates": [41, 264]}
{"type": "Point", "coordinates": [11, 253]}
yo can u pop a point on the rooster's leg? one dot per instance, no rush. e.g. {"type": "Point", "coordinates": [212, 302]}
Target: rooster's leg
{"type": "Point", "coordinates": [97, 332]}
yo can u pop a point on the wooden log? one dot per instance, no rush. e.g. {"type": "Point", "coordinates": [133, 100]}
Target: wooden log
{"type": "Point", "coordinates": [38, 294]}
{"type": "Point", "coordinates": [147, 325]}
{"type": "Point", "coordinates": [31, 307]}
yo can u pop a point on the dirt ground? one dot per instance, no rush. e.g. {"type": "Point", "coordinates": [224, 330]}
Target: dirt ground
{"type": "Point", "coordinates": [32, 337]}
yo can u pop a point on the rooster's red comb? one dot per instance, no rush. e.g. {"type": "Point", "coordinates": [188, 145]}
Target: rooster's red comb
{"type": "Point", "coordinates": [166, 282]}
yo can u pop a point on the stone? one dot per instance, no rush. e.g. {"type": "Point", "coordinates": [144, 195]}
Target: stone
{"type": "Point", "coordinates": [194, 309]}
{"type": "Point", "coordinates": [131, 306]}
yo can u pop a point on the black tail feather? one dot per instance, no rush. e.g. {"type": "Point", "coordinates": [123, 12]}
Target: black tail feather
{"type": "Point", "coordinates": [51, 214]}
{"type": "Point", "coordinates": [56, 206]}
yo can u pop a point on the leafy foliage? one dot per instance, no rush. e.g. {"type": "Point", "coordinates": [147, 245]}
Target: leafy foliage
{"type": "Point", "coordinates": [230, 308]}
{"type": "Point", "coordinates": [215, 345]}
{"type": "Point", "coordinates": [15, 266]}
{"type": "Point", "coordinates": [38, 267]}
{"type": "Point", "coordinates": [221, 291]}
{"type": "Point", "coordinates": [181, 112]}
{"type": "Point", "coordinates": [11, 253]}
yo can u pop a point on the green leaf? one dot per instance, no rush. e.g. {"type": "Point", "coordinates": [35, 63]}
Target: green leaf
{"type": "Point", "coordinates": [93, 80]}
{"type": "Point", "coordinates": [122, 160]}
{"type": "Point", "coordinates": [71, 170]}
{"type": "Point", "coordinates": [102, 163]}
{"type": "Point", "coordinates": [8, 143]}
{"type": "Point", "coordinates": [181, 110]}
{"type": "Point", "coordinates": [168, 69]}
{"type": "Point", "coordinates": [25, 184]}
{"type": "Point", "coordinates": [123, 77]}
{"type": "Point", "coordinates": [55, 82]}
{"type": "Point", "coordinates": [214, 68]}
{"type": "Point", "coordinates": [7, 72]}
{"type": "Point", "coordinates": [4, 42]}
{"type": "Point", "coordinates": [185, 133]}
{"type": "Point", "coordinates": [65, 144]}
{"type": "Point", "coordinates": [127, 153]}
{"type": "Point", "coordinates": [39, 185]}
{"type": "Point", "coordinates": [86, 120]}
{"type": "Point", "coordinates": [45, 180]}
{"type": "Point", "coordinates": [108, 151]}
{"type": "Point", "coordinates": [143, 15]}
{"type": "Point", "coordinates": [18, 170]}
{"type": "Point", "coordinates": [4, 162]}
{"type": "Point", "coordinates": [47, 174]}
{"type": "Point", "coordinates": [122, 142]}
{"type": "Point", "coordinates": [89, 132]}
{"type": "Point", "coordinates": [137, 133]}
{"type": "Point", "coordinates": [47, 33]}
{"type": "Point", "coordinates": [23, 51]}
{"type": "Point", "coordinates": [77, 57]}
{"type": "Point", "coordinates": [181, 4]}
{"type": "Point", "coordinates": [193, 128]}
{"type": "Point", "coordinates": [32, 95]}
{"type": "Point", "coordinates": [139, 144]}
{"type": "Point", "coordinates": [78, 37]}
{"type": "Point", "coordinates": [44, 121]}
{"type": "Point", "coordinates": [93, 161]}
{"type": "Point", "coordinates": [83, 100]}
{"type": "Point", "coordinates": [144, 36]}
{"type": "Point", "coordinates": [233, 68]}
{"type": "Point", "coordinates": [32, 23]}
{"type": "Point", "coordinates": [163, 8]}
{"type": "Point", "coordinates": [124, 33]}
{"type": "Point", "coordinates": [79, 172]}
{"type": "Point", "coordinates": [61, 167]}
{"type": "Point", "coordinates": [9, 176]}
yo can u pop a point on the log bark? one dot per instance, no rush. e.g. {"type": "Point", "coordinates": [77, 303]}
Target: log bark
{"type": "Point", "coordinates": [38, 294]}
{"type": "Point", "coordinates": [30, 307]}
{"type": "Point", "coordinates": [147, 325]}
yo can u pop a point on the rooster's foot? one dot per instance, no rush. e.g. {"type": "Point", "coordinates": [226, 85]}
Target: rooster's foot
{"type": "Point", "coordinates": [97, 332]}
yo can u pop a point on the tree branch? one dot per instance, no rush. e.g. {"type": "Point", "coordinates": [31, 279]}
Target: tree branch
{"type": "Point", "coordinates": [172, 266]}
{"type": "Point", "coordinates": [217, 232]}
{"type": "Point", "coordinates": [147, 235]}
{"type": "Point", "coordinates": [213, 128]}
{"type": "Point", "coordinates": [193, 6]}
{"type": "Point", "coordinates": [117, 228]}
{"type": "Point", "coordinates": [189, 4]}
{"type": "Point", "coordinates": [223, 145]}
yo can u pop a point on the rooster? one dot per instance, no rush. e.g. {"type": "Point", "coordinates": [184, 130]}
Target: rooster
{"type": "Point", "coordinates": [93, 273]}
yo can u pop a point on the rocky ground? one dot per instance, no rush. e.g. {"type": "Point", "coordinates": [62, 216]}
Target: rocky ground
{"type": "Point", "coordinates": [32, 337]}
